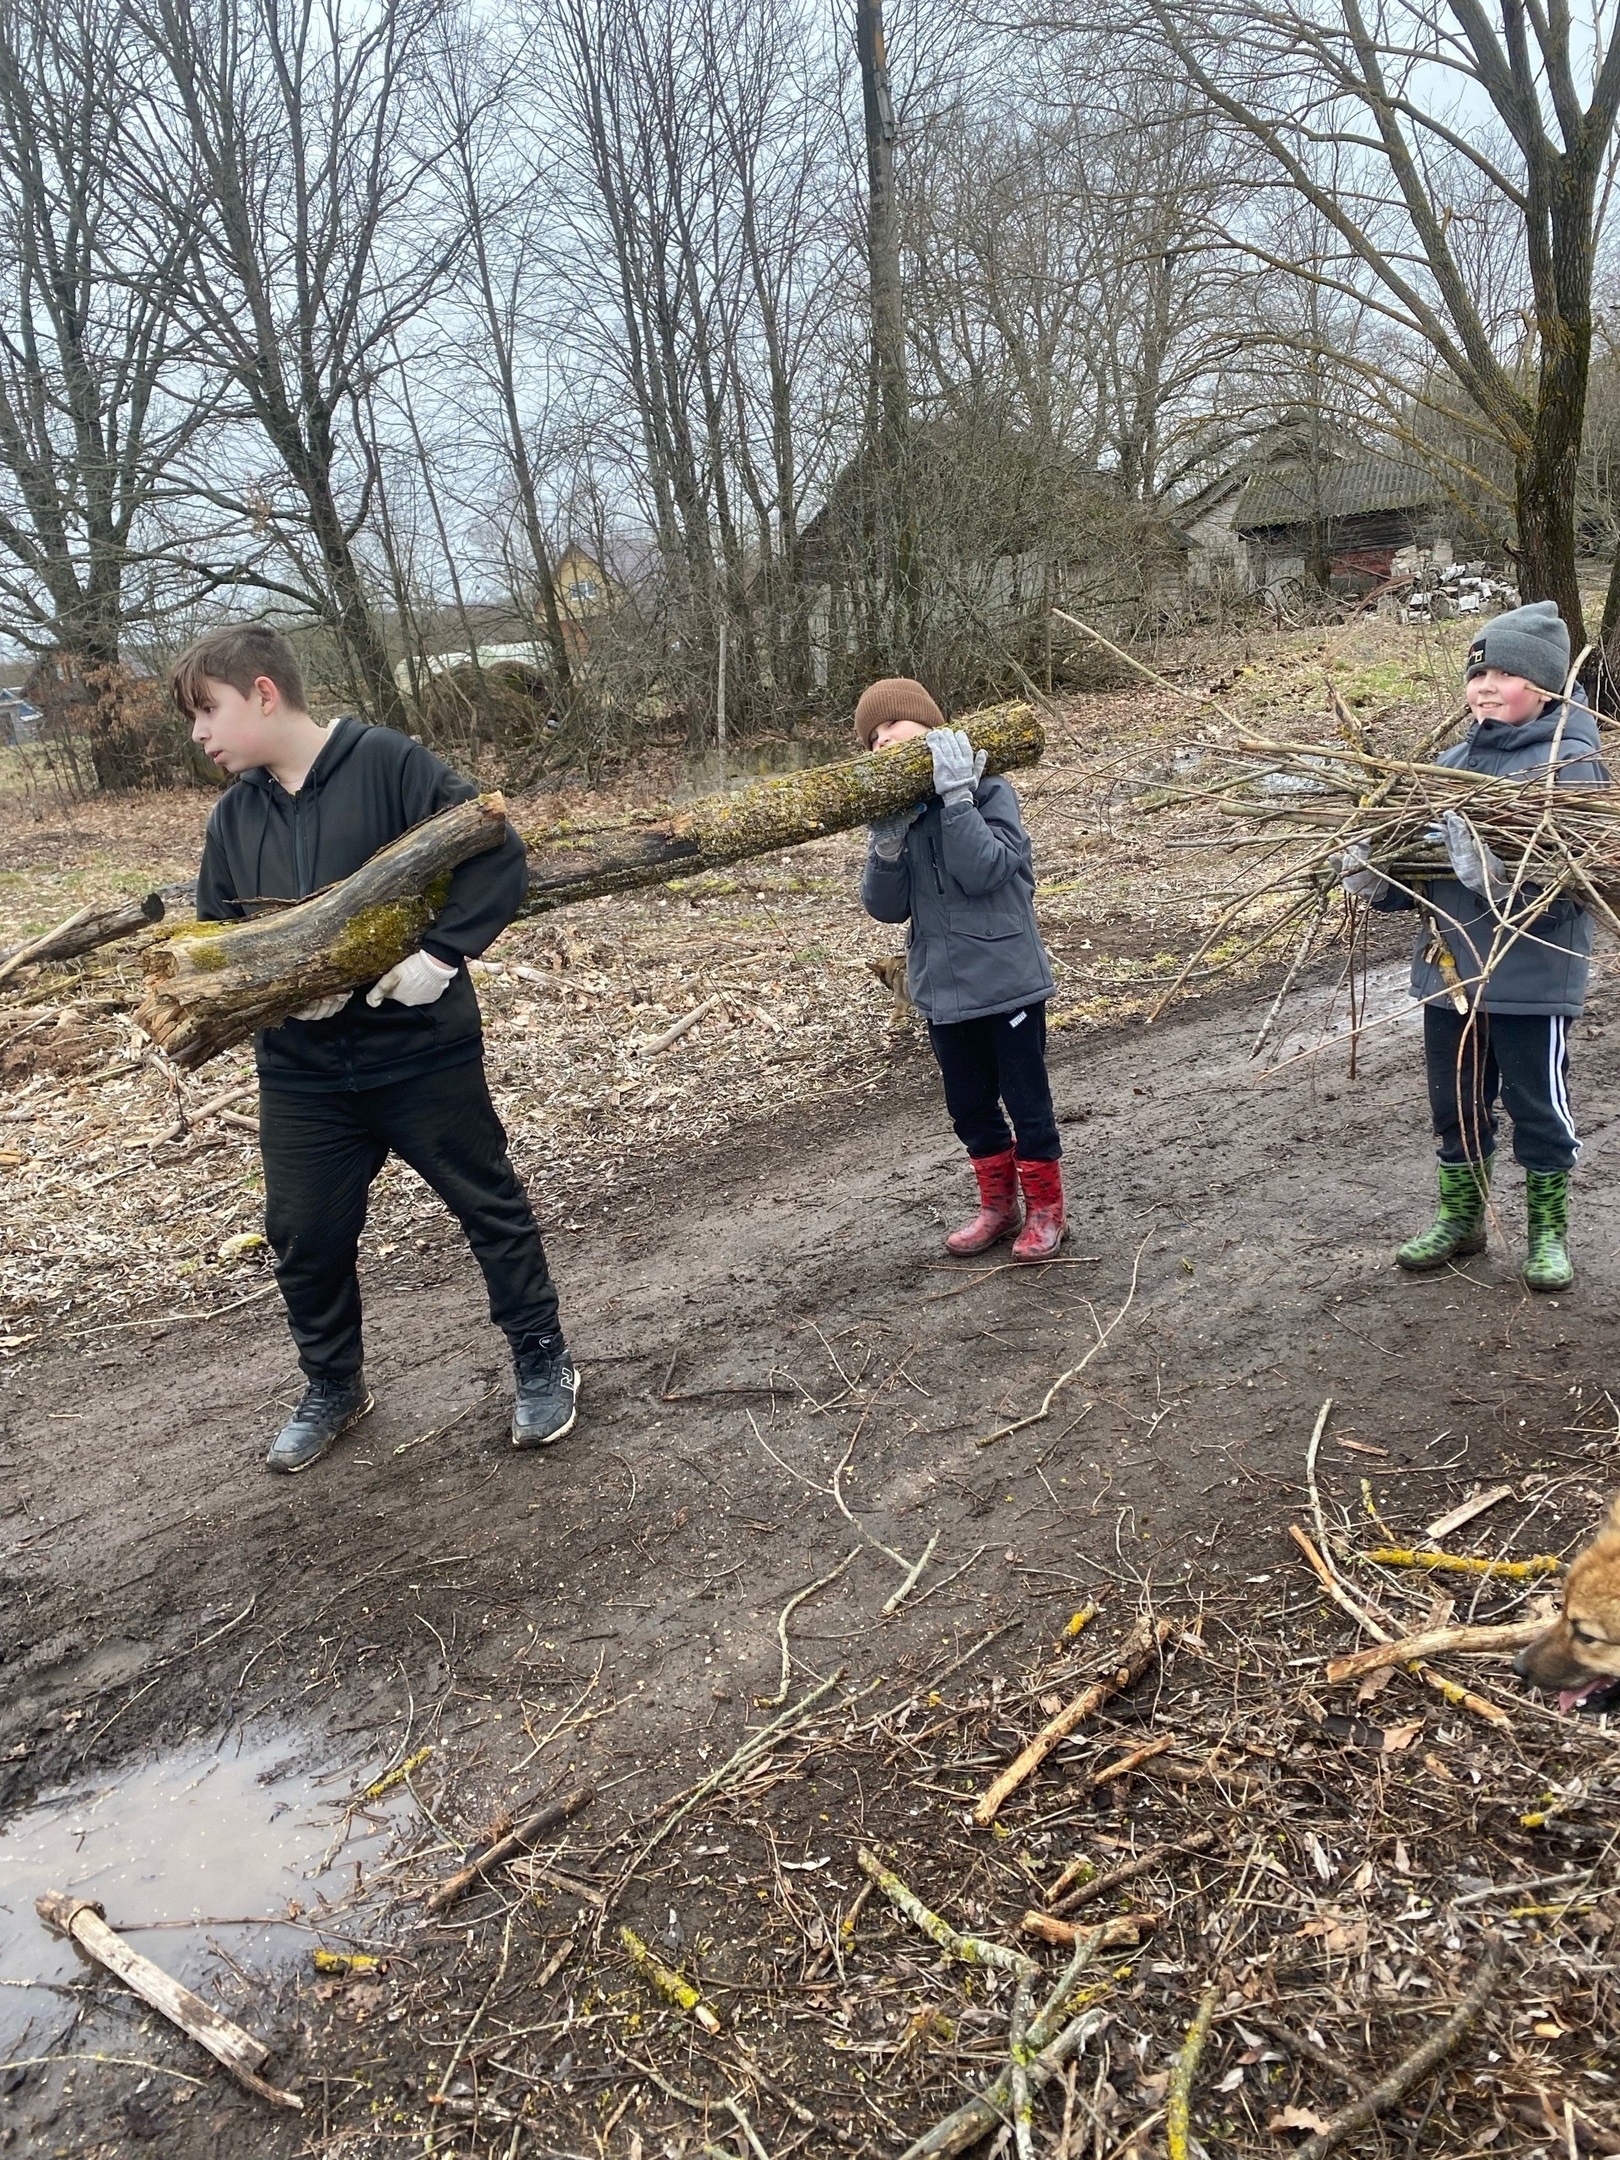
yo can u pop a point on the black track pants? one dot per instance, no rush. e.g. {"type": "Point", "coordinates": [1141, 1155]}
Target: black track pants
{"type": "Point", "coordinates": [1521, 1058]}
{"type": "Point", "coordinates": [321, 1153]}
{"type": "Point", "coordinates": [1000, 1060]}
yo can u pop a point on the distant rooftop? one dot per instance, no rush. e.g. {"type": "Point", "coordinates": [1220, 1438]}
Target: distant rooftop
{"type": "Point", "coordinates": [1345, 488]}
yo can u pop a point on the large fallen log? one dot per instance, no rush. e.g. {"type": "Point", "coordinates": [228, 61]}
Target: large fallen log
{"type": "Point", "coordinates": [83, 932]}
{"type": "Point", "coordinates": [212, 984]}
{"type": "Point", "coordinates": [569, 863]}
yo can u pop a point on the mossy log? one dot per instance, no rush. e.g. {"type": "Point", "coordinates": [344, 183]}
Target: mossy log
{"type": "Point", "coordinates": [83, 932]}
{"type": "Point", "coordinates": [210, 985]}
{"type": "Point", "coordinates": [568, 864]}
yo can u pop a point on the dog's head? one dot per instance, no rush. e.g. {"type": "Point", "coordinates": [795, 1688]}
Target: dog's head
{"type": "Point", "coordinates": [1579, 1654]}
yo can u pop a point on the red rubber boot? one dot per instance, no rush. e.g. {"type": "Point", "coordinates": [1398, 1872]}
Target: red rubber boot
{"type": "Point", "coordinates": [998, 1206]}
{"type": "Point", "coordinates": [1042, 1233]}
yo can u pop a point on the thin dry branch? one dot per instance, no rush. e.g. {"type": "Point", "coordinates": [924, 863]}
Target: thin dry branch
{"type": "Point", "coordinates": [1415, 2067]}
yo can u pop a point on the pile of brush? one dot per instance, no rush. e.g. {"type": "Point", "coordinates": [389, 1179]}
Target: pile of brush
{"type": "Point", "coordinates": [1291, 810]}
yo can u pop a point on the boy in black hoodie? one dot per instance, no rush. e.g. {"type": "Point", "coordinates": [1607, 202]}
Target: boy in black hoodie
{"type": "Point", "coordinates": [398, 1068]}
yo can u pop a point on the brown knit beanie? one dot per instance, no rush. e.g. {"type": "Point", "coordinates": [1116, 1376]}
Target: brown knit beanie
{"type": "Point", "coordinates": [896, 697]}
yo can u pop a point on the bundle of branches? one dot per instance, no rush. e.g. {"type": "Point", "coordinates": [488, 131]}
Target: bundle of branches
{"type": "Point", "coordinates": [1291, 810]}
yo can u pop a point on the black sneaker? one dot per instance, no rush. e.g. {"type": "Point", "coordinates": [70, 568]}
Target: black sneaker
{"type": "Point", "coordinates": [547, 1386]}
{"type": "Point", "coordinates": [328, 1409]}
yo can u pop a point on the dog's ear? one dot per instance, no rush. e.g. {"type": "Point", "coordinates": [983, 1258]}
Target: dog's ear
{"type": "Point", "coordinates": [1613, 1522]}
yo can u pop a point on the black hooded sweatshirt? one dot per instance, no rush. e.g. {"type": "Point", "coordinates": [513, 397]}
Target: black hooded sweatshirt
{"type": "Point", "coordinates": [369, 785]}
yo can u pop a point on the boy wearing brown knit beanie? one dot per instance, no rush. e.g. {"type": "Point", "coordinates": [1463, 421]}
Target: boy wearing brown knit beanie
{"type": "Point", "coordinates": [957, 868]}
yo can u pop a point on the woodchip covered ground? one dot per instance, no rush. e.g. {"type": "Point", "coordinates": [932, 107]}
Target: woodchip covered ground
{"type": "Point", "coordinates": [785, 1392]}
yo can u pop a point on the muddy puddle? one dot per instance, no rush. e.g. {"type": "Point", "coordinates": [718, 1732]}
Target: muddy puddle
{"type": "Point", "coordinates": [207, 1854]}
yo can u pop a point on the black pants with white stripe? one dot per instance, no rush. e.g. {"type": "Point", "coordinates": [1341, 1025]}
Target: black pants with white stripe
{"type": "Point", "coordinates": [1521, 1059]}
{"type": "Point", "coordinates": [995, 1069]}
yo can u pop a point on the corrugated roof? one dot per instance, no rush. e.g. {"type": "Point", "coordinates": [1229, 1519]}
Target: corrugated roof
{"type": "Point", "coordinates": [1350, 487]}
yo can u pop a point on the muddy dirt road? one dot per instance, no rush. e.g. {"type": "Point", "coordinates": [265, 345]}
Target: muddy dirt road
{"type": "Point", "coordinates": [747, 1320]}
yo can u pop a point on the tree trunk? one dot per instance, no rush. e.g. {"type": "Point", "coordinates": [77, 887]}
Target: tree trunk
{"type": "Point", "coordinates": [214, 984]}
{"type": "Point", "coordinates": [211, 986]}
{"type": "Point", "coordinates": [565, 866]}
{"type": "Point", "coordinates": [83, 932]}
{"type": "Point", "coordinates": [1544, 488]}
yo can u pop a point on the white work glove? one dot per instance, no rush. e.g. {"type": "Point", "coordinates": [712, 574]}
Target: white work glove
{"type": "Point", "coordinates": [324, 1008]}
{"type": "Point", "coordinates": [418, 980]}
{"type": "Point", "coordinates": [1473, 863]}
{"type": "Point", "coordinates": [1357, 875]}
{"type": "Point", "coordinates": [889, 834]}
{"type": "Point", "coordinates": [957, 770]}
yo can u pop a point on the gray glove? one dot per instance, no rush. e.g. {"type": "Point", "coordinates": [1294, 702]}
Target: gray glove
{"type": "Point", "coordinates": [889, 834]}
{"type": "Point", "coordinates": [1357, 875]}
{"type": "Point", "coordinates": [324, 1008]}
{"type": "Point", "coordinates": [957, 770]}
{"type": "Point", "coordinates": [1473, 863]}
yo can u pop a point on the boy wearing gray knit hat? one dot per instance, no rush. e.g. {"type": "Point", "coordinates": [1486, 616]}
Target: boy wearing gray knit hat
{"type": "Point", "coordinates": [1500, 974]}
{"type": "Point", "coordinates": [1530, 643]}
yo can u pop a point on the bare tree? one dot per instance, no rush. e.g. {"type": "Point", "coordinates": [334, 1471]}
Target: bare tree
{"type": "Point", "coordinates": [323, 234]}
{"type": "Point", "coordinates": [696, 136]}
{"type": "Point", "coordinates": [1372, 115]}
{"type": "Point", "coordinates": [505, 206]}
{"type": "Point", "coordinates": [100, 395]}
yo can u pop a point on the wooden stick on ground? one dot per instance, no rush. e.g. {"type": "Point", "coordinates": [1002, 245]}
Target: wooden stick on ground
{"type": "Point", "coordinates": [971, 1949]}
{"type": "Point", "coordinates": [521, 1834]}
{"type": "Point", "coordinates": [1035, 1417]}
{"type": "Point", "coordinates": [1434, 1642]}
{"type": "Point", "coordinates": [669, 1983]}
{"type": "Point", "coordinates": [1123, 1932]}
{"type": "Point", "coordinates": [1178, 2110]}
{"type": "Point", "coordinates": [1417, 2065]}
{"type": "Point", "coordinates": [84, 1922]}
{"type": "Point", "coordinates": [1464, 1698]}
{"type": "Point", "coordinates": [1134, 1760]}
{"type": "Point", "coordinates": [1445, 1563]}
{"type": "Point", "coordinates": [1047, 2047]}
{"type": "Point", "coordinates": [1137, 1653]}
{"type": "Point", "coordinates": [672, 1035]}
{"type": "Point", "coordinates": [1099, 1885]}
{"type": "Point", "coordinates": [83, 932]}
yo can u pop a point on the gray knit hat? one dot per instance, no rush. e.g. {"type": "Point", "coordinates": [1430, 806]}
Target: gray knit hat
{"type": "Point", "coordinates": [1529, 641]}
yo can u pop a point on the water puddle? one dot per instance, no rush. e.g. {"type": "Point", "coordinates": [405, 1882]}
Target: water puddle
{"type": "Point", "coordinates": [234, 1847]}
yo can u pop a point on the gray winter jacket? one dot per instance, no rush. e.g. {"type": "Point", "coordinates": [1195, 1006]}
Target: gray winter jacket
{"type": "Point", "coordinates": [966, 883]}
{"type": "Point", "coordinates": [1544, 969]}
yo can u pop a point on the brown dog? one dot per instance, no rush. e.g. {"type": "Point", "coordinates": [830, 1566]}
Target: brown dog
{"type": "Point", "coordinates": [1579, 1654]}
{"type": "Point", "coordinates": [891, 973]}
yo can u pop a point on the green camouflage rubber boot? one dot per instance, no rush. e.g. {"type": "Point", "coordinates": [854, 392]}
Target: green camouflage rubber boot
{"type": "Point", "coordinates": [1459, 1228]}
{"type": "Point", "coordinates": [1546, 1195]}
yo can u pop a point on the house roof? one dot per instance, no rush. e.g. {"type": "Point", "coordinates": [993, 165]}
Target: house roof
{"type": "Point", "coordinates": [1347, 488]}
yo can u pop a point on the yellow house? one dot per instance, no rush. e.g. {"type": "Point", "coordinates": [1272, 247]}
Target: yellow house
{"type": "Point", "coordinates": [582, 586]}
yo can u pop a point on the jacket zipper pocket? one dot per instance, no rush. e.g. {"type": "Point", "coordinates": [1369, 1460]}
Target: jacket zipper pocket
{"type": "Point", "coordinates": [933, 857]}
